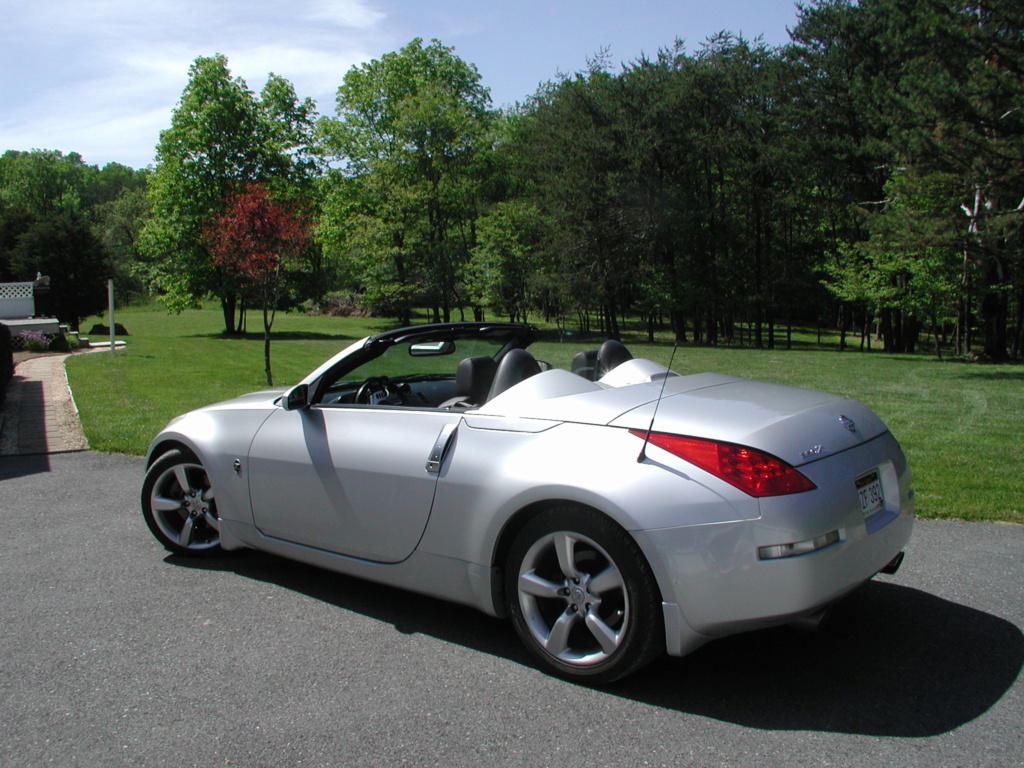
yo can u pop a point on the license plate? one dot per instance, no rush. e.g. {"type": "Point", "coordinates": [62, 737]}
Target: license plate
{"type": "Point", "coordinates": [869, 487]}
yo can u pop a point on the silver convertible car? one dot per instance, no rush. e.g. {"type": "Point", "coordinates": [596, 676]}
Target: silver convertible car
{"type": "Point", "coordinates": [614, 511]}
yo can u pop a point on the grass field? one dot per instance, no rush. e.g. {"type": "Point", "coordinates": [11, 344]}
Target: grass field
{"type": "Point", "coordinates": [958, 422]}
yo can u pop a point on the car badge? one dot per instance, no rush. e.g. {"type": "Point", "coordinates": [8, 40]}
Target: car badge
{"type": "Point", "coordinates": [848, 423]}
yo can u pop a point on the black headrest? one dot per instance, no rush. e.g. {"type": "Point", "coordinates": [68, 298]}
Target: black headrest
{"type": "Point", "coordinates": [515, 366]}
{"type": "Point", "coordinates": [611, 354]}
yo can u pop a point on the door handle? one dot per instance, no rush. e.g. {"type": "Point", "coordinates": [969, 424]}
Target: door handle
{"type": "Point", "coordinates": [440, 449]}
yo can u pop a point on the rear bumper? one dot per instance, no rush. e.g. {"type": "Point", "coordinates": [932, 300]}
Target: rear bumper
{"type": "Point", "coordinates": [714, 582]}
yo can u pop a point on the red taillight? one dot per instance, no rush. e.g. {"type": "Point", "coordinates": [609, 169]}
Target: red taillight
{"type": "Point", "coordinates": [752, 471]}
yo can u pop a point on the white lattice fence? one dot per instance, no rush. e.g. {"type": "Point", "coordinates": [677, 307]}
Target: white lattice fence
{"type": "Point", "coordinates": [16, 290]}
{"type": "Point", "coordinates": [17, 300]}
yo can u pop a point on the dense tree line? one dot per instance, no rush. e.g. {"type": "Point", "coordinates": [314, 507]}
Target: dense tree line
{"type": "Point", "coordinates": [867, 176]}
{"type": "Point", "coordinates": [871, 171]}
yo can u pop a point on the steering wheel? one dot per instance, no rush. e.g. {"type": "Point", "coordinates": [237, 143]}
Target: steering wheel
{"type": "Point", "coordinates": [377, 390]}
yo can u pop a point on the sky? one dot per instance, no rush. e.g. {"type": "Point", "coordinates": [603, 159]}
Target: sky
{"type": "Point", "coordinates": [102, 77]}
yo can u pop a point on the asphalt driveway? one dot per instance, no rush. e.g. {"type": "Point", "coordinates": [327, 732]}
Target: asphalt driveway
{"type": "Point", "coordinates": [115, 653]}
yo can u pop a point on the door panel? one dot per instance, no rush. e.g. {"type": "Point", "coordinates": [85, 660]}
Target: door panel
{"type": "Point", "coordinates": [348, 480]}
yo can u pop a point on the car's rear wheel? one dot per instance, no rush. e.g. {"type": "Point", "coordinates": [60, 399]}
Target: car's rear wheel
{"type": "Point", "coordinates": [582, 597]}
{"type": "Point", "coordinates": [179, 507]}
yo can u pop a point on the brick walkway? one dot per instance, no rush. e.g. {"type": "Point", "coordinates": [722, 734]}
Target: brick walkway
{"type": "Point", "coordinates": [39, 414]}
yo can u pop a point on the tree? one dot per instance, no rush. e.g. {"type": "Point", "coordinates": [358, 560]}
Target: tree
{"type": "Point", "coordinates": [908, 271]}
{"type": "Point", "coordinates": [255, 240]}
{"type": "Point", "coordinates": [505, 259]}
{"type": "Point", "coordinates": [118, 225]}
{"type": "Point", "coordinates": [13, 224]}
{"type": "Point", "coordinates": [573, 149]}
{"type": "Point", "coordinates": [221, 138]}
{"type": "Point", "coordinates": [293, 173]}
{"type": "Point", "coordinates": [408, 128]}
{"type": "Point", "coordinates": [62, 246]}
{"type": "Point", "coordinates": [288, 132]}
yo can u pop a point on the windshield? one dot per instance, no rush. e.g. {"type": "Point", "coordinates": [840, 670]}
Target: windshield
{"type": "Point", "coordinates": [418, 369]}
{"type": "Point", "coordinates": [398, 360]}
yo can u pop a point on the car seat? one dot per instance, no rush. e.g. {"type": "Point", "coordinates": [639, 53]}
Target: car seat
{"type": "Point", "coordinates": [473, 379]}
{"type": "Point", "coordinates": [517, 365]}
{"type": "Point", "coordinates": [610, 355]}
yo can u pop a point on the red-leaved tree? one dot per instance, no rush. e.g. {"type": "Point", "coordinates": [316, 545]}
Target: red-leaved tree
{"type": "Point", "coordinates": [257, 238]}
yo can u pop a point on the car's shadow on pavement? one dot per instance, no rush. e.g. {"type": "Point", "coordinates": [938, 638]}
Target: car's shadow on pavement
{"type": "Point", "coordinates": [891, 661]}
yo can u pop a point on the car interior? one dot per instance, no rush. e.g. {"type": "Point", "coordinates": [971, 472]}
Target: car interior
{"type": "Point", "coordinates": [476, 380]}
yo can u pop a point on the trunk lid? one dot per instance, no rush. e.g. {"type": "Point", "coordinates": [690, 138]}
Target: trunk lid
{"type": "Point", "coordinates": [796, 425]}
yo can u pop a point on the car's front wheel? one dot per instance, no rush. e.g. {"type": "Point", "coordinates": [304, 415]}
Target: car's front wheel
{"type": "Point", "coordinates": [582, 597]}
{"type": "Point", "coordinates": [179, 507]}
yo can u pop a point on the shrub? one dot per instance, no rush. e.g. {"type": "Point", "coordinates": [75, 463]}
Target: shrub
{"type": "Point", "coordinates": [34, 341]}
{"type": "Point", "coordinates": [60, 343]}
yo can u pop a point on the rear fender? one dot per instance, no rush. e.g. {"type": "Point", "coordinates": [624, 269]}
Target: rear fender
{"type": "Point", "coordinates": [492, 477]}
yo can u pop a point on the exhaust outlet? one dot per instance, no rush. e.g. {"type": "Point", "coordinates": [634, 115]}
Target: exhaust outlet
{"type": "Point", "coordinates": [814, 621]}
{"type": "Point", "coordinates": [893, 565]}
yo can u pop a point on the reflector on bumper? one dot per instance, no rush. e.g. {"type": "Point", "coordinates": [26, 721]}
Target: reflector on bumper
{"type": "Point", "coordinates": [776, 551]}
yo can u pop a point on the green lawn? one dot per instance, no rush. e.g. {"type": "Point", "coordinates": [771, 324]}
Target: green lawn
{"type": "Point", "coordinates": [956, 421]}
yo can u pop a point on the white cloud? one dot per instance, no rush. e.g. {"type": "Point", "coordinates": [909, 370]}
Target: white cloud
{"type": "Point", "coordinates": [100, 77]}
{"type": "Point", "coordinates": [345, 13]}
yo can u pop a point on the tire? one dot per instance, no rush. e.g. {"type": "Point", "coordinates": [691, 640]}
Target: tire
{"type": "Point", "coordinates": [178, 506]}
{"type": "Point", "coordinates": [582, 597]}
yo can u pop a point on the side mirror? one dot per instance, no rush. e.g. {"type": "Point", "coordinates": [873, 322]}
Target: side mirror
{"type": "Point", "coordinates": [296, 398]}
